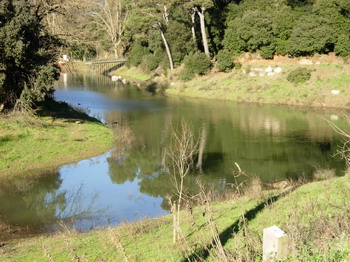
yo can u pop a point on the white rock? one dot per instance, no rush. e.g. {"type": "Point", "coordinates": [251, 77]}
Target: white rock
{"type": "Point", "coordinates": [335, 92]}
{"type": "Point", "coordinates": [116, 78]}
{"type": "Point", "coordinates": [258, 69]}
{"type": "Point", "coordinates": [334, 117]}
{"type": "Point", "coordinates": [271, 73]}
{"type": "Point", "coordinates": [268, 69]}
{"type": "Point", "coordinates": [252, 74]}
{"type": "Point", "coordinates": [277, 70]}
{"type": "Point", "coordinates": [173, 84]}
{"type": "Point", "coordinates": [124, 81]}
{"type": "Point", "coordinates": [261, 73]}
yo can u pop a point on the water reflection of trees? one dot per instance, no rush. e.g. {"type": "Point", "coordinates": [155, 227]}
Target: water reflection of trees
{"type": "Point", "coordinates": [101, 84]}
{"type": "Point", "coordinates": [266, 141]}
{"type": "Point", "coordinates": [41, 202]}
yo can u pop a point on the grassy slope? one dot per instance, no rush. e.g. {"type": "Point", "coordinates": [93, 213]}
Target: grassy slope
{"type": "Point", "coordinates": [29, 145]}
{"type": "Point", "coordinates": [273, 89]}
{"type": "Point", "coordinates": [132, 74]}
{"type": "Point", "coordinates": [302, 213]}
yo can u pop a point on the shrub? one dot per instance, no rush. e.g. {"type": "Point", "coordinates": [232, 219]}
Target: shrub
{"type": "Point", "coordinates": [342, 47]}
{"type": "Point", "coordinates": [237, 65]}
{"type": "Point", "coordinates": [136, 54]}
{"type": "Point", "coordinates": [197, 63]}
{"type": "Point", "coordinates": [299, 75]}
{"type": "Point", "coordinates": [312, 34]}
{"type": "Point", "coordinates": [186, 75]}
{"type": "Point", "coordinates": [224, 60]}
{"type": "Point", "coordinates": [267, 52]}
{"type": "Point", "coordinates": [150, 62]}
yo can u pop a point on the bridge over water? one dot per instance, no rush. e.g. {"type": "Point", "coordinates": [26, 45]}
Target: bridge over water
{"type": "Point", "coordinates": [106, 66]}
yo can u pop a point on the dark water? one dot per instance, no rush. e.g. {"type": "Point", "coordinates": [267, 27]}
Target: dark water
{"type": "Point", "coordinates": [129, 183]}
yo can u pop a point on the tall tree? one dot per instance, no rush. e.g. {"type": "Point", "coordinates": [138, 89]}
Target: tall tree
{"type": "Point", "coordinates": [200, 8]}
{"type": "Point", "coordinates": [111, 17]}
{"type": "Point", "coordinates": [145, 17]}
{"type": "Point", "coordinates": [29, 52]}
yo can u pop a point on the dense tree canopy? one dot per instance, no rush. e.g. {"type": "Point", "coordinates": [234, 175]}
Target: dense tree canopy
{"type": "Point", "coordinates": [155, 33]}
{"type": "Point", "coordinates": [161, 34]}
{"type": "Point", "coordinates": [28, 54]}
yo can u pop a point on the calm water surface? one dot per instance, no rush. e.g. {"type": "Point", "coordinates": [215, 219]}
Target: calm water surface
{"type": "Point", "coordinates": [129, 183]}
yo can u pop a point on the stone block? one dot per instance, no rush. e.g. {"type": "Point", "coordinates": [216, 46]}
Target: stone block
{"type": "Point", "coordinates": [275, 244]}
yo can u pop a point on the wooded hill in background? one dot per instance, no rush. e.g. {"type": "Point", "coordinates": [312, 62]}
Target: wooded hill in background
{"type": "Point", "coordinates": [156, 32]}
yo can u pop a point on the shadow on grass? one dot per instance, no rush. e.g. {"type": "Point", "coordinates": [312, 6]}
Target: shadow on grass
{"type": "Point", "coordinates": [62, 110]}
{"type": "Point", "coordinates": [203, 253]}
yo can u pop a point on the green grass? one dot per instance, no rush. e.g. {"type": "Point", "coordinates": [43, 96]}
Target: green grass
{"type": "Point", "coordinates": [33, 144]}
{"type": "Point", "coordinates": [275, 89]}
{"type": "Point", "coordinates": [309, 215]}
{"type": "Point", "coordinates": [132, 74]}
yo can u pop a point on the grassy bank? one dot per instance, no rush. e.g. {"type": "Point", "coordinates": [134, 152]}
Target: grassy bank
{"type": "Point", "coordinates": [133, 74]}
{"type": "Point", "coordinates": [239, 85]}
{"type": "Point", "coordinates": [57, 135]}
{"type": "Point", "coordinates": [315, 216]}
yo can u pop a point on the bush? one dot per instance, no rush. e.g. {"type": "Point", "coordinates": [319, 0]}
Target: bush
{"type": "Point", "coordinates": [186, 75]}
{"type": "Point", "coordinates": [312, 34]}
{"type": "Point", "coordinates": [267, 52]}
{"type": "Point", "coordinates": [224, 60]}
{"type": "Point", "coordinates": [342, 47]}
{"type": "Point", "coordinates": [136, 54]}
{"type": "Point", "coordinates": [237, 65]}
{"type": "Point", "coordinates": [299, 75]}
{"type": "Point", "coordinates": [197, 63]}
{"type": "Point", "coordinates": [150, 62]}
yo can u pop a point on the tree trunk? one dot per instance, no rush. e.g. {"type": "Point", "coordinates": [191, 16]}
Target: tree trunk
{"type": "Point", "coordinates": [193, 17]}
{"type": "Point", "coordinates": [167, 48]}
{"type": "Point", "coordinates": [203, 31]}
{"type": "Point", "coordinates": [201, 149]}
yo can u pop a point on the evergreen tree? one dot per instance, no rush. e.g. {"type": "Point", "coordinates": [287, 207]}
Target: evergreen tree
{"type": "Point", "coordinates": [28, 54]}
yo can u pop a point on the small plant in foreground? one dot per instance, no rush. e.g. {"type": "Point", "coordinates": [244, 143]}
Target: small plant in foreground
{"type": "Point", "coordinates": [181, 152]}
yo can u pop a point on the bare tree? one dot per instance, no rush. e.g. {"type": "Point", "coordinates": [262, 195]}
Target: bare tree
{"type": "Point", "coordinates": [111, 18]}
{"type": "Point", "coordinates": [344, 150]}
{"type": "Point", "coordinates": [181, 153]}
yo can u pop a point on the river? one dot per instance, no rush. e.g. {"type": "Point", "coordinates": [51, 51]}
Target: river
{"type": "Point", "coordinates": [130, 183]}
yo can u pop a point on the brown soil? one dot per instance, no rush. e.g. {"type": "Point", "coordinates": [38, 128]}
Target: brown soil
{"type": "Point", "coordinates": [10, 232]}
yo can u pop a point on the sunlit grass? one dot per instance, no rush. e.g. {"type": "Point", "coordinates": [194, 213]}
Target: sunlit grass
{"type": "Point", "coordinates": [306, 215]}
{"type": "Point", "coordinates": [273, 89]}
{"type": "Point", "coordinates": [30, 144]}
{"type": "Point", "coordinates": [132, 74]}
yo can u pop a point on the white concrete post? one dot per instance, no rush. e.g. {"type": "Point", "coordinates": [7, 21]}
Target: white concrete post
{"type": "Point", "coordinates": [275, 244]}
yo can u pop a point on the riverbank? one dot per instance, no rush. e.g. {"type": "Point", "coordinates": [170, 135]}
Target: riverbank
{"type": "Point", "coordinates": [56, 135]}
{"type": "Point", "coordinates": [257, 82]}
{"type": "Point", "coordinates": [315, 216]}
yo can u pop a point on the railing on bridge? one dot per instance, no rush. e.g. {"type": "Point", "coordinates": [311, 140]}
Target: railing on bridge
{"type": "Point", "coordinates": [106, 66]}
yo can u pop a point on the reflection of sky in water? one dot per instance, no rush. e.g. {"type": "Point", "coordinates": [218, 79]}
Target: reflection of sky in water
{"type": "Point", "coordinates": [97, 104]}
{"type": "Point", "coordinates": [115, 202]}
